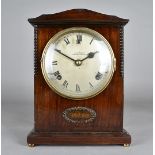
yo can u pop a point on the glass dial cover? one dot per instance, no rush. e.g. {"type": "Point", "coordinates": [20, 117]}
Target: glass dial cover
{"type": "Point", "coordinates": [78, 63]}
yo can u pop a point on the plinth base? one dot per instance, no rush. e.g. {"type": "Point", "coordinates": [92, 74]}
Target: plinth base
{"type": "Point", "coordinates": [78, 138]}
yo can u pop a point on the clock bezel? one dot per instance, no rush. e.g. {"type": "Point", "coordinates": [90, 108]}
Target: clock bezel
{"type": "Point", "coordinates": [70, 30]}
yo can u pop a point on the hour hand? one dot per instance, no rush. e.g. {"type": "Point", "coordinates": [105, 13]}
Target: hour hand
{"type": "Point", "coordinates": [90, 55]}
{"type": "Point", "coordinates": [59, 51]}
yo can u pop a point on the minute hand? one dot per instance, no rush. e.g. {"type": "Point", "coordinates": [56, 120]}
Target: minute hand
{"type": "Point", "coordinates": [90, 55]}
{"type": "Point", "coordinates": [59, 51]}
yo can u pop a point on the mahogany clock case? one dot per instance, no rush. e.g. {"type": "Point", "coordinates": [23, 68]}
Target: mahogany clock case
{"type": "Point", "coordinates": [50, 125]}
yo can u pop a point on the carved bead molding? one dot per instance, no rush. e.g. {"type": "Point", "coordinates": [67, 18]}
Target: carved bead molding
{"type": "Point", "coordinates": [35, 50]}
{"type": "Point", "coordinates": [122, 51]}
{"type": "Point", "coordinates": [79, 115]}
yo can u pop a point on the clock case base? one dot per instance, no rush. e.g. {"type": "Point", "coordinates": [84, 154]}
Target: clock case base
{"type": "Point", "coordinates": [78, 138]}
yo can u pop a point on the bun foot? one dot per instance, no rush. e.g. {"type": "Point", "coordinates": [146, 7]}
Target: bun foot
{"type": "Point", "coordinates": [126, 145]}
{"type": "Point", "coordinates": [31, 145]}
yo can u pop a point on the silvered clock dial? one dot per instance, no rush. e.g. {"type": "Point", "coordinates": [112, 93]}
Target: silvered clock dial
{"type": "Point", "coordinates": [78, 63]}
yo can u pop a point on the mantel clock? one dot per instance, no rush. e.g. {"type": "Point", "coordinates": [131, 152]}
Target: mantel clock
{"type": "Point", "coordinates": [78, 79]}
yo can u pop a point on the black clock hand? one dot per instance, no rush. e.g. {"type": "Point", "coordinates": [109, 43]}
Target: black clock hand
{"type": "Point", "coordinates": [90, 55]}
{"type": "Point", "coordinates": [59, 51]}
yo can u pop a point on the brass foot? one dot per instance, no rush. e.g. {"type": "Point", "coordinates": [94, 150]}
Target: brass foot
{"type": "Point", "coordinates": [31, 145]}
{"type": "Point", "coordinates": [126, 145]}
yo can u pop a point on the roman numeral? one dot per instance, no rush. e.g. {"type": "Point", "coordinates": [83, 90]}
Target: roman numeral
{"type": "Point", "coordinates": [91, 85]}
{"type": "Point", "coordinates": [66, 40]}
{"type": "Point", "coordinates": [65, 84]}
{"type": "Point", "coordinates": [98, 76]}
{"type": "Point", "coordinates": [79, 39]}
{"type": "Point", "coordinates": [57, 75]}
{"type": "Point", "coordinates": [91, 41]}
{"type": "Point", "coordinates": [54, 63]}
{"type": "Point", "coordinates": [77, 88]}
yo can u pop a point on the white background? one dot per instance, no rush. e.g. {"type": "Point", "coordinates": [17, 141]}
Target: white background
{"type": "Point", "coordinates": [17, 74]}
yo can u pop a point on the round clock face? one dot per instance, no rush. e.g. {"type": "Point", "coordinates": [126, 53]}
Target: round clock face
{"type": "Point", "coordinates": [78, 63]}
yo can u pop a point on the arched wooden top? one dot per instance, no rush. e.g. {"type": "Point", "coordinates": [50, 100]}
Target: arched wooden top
{"type": "Point", "coordinates": [77, 16]}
